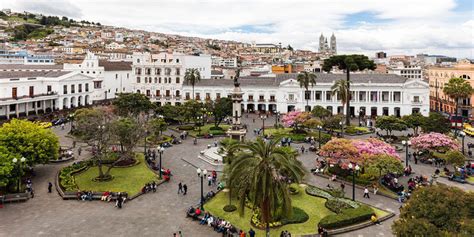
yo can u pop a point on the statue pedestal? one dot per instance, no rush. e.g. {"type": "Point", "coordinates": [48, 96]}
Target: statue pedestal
{"type": "Point", "coordinates": [237, 134]}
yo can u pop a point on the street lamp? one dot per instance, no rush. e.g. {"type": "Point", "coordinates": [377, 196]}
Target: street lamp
{"type": "Point", "coordinates": [199, 123]}
{"type": "Point", "coordinates": [202, 174]}
{"type": "Point", "coordinates": [463, 135]}
{"type": "Point", "coordinates": [144, 150]}
{"type": "Point", "coordinates": [160, 150]}
{"type": "Point", "coordinates": [406, 144]}
{"type": "Point", "coordinates": [277, 117]}
{"type": "Point", "coordinates": [319, 135]}
{"type": "Point", "coordinates": [19, 162]}
{"type": "Point", "coordinates": [353, 170]}
{"type": "Point", "coordinates": [263, 117]}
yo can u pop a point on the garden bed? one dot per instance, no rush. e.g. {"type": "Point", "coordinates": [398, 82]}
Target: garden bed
{"type": "Point", "coordinates": [297, 137]}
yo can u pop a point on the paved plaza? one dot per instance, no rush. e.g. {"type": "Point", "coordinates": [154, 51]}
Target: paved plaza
{"type": "Point", "coordinates": [155, 214]}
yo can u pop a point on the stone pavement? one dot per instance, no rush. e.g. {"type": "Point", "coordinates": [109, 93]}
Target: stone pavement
{"type": "Point", "coordinates": [157, 214]}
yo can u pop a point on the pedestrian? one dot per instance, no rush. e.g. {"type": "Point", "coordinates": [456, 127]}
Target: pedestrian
{"type": "Point", "coordinates": [74, 144]}
{"type": "Point", "coordinates": [79, 150]}
{"type": "Point", "coordinates": [342, 187]}
{"type": "Point", "coordinates": [251, 233]}
{"type": "Point", "coordinates": [366, 192]}
{"type": "Point", "coordinates": [180, 234]}
{"type": "Point", "coordinates": [62, 126]}
{"type": "Point", "coordinates": [180, 188]}
{"type": "Point", "coordinates": [50, 187]}
{"type": "Point", "coordinates": [209, 180]}
{"type": "Point", "coordinates": [32, 193]}
{"type": "Point", "coordinates": [215, 143]}
{"type": "Point", "coordinates": [376, 189]}
{"type": "Point", "coordinates": [185, 189]}
{"type": "Point", "coordinates": [415, 157]}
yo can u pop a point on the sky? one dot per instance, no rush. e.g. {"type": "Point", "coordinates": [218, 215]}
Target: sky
{"type": "Point", "coordinates": [361, 26]}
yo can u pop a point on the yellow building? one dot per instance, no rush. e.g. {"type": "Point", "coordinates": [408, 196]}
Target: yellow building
{"type": "Point", "coordinates": [438, 76]}
{"type": "Point", "coordinates": [280, 69]}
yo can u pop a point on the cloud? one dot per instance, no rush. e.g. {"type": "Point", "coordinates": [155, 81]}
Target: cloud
{"type": "Point", "coordinates": [362, 26]}
{"type": "Point", "coordinates": [49, 7]}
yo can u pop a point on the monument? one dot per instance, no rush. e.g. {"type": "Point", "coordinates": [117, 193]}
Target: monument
{"type": "Point", "coordinates": [237, 131]}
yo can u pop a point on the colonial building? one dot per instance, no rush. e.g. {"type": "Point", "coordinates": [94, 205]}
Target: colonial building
{"type": "Point", "coordinates": [326, 48]}
{"type": "Point", "coordinates": [372, 94]}
{"type": "Point", "coordinates": [439, 76]}
{"type": "Point", "coordinates": [407, 71]}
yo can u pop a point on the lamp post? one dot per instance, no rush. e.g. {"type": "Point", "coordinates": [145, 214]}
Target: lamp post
{"type": "Point", "coordinates": [263, 117]}
{"type": "Point", "coordinates": [319, 135]}
{"type": "Point", "coordinates": [201, 119]}
{"type": "Point", "coordinates": [19, 162]}
{"type": "Point", "coordinates": [160, 150]}
{"type": "Point", "coordinates": [144, 150]}
{"type": "Point", "coordinates": [463, 135]}
{"type": "Point", "coordinates": [406, 144]}
{"type": "Point", "coordinates": [353, 170]}
{"type": "Point", "coordinates": [277, 117]}
{"type": "Point", "coordinates": [202, 174]}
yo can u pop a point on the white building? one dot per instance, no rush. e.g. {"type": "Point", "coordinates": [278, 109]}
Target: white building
{"type": "Point", "coordinates": [373, 94]}
{"type": "Point", "coordinates": [161, 76]}
{"type": "Point", "coordinates": [25, 92]}
{"type": "Point", "coordinates": [223, 62]}
{"type": "Point", "coordinates": [22, 57]}
{"type": "Point", "coordinates": [407, 71]}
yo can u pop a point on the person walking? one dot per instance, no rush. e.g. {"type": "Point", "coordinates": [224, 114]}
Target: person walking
{"type": "Point", "coordinates": [50, 187]}
{"type": "Point", "coordinates": [366, 192]}
{"type": "Point", "coordinates": [79, 150]}
{"type": "Point", "coordinates": [180, 188]}
{"type": "Point", "coordinates": [342, 187]}
{"type": "Point", "coordinates": [185, 189]}
{"type": "Point", "coordinates": [73, 144]}
{"type": "Point", "coordinates": [251, 232]}
{"type": "Point", "coordinates": [62, 126]}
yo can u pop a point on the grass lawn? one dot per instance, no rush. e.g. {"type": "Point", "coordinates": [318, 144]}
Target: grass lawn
{"type": "Point", "coordinates": [313, 206]}
{"type": "Point", "coordinates": [130, 180]}
{"type": "Point", "coordinates": [206, 129]}
{"type": "Point", "coordinates": [470, 179]}
{"type": "Point", "coordinates": [286, 132]}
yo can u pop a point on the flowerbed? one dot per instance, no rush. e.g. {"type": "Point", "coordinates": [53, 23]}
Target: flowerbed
{"type": "Point", "coordinates": [66, 175]}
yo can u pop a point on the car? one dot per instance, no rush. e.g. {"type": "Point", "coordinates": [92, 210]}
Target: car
{"type": "Point", "coordinates": [468, 129]}
{"type": "Point", "coordinates": [59, 121]}
{"type": "Point", "coordinates": [166, 145]}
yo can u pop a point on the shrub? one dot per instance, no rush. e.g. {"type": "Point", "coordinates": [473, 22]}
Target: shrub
{"type": "Point", "coordinates": [293, 190]}
{"type": "Point", "coordinates": [185, 127]}
{"type": "Point", "coordinates": [355, 130]}
{"type": "Point", "coordinates": [299, 216]}
{"type": "Point", "coordinates": [230, 208]}
{"type": "Point", "coordinates": [314, 191]}
{"type": "Point", "coordinates": [66, 179]}
{"type": "Point", "coordinates": [216, 128]}
{"type": "Point", "coordinates": [347, 217]}
{"type": "Point", "coordinates": [217, 132]}
{"type": "Point", "coordinates": [335, 205]}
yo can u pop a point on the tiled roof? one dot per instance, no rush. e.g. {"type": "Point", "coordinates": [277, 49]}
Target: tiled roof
{"type": "Point", "coordinates": [30, 67]}
{"type": "Point", "coordinates": [115, 66]}
{"type": "Point", "coordinates": [22, 74]}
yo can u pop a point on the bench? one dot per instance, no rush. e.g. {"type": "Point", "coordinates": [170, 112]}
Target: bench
{"type": "Point", "coordinates": [95, 196]}
{"type": "Point", "coordinates": [16, 197]}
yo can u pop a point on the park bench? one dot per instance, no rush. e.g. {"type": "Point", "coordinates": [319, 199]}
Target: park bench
{"type": "Point", "coordinates": [16, 197]}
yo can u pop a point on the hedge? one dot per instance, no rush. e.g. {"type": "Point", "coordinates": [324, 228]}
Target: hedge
{"type": "Point", "coordinates": [347, 217]}
{"type": "Point", "coordinates": [229, 208]}
{"type": "Point", "coordinates": [66, 179]}
{"type": "Point", "coordinates": [336, 206]}
{"type": "Point", "coordinates": [185, 127]}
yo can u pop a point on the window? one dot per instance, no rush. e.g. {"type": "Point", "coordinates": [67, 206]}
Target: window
{"type": "Point", "coordinates": [80, 88]}
{"type": "Point", "coordinates": [177, 60]}
{"type": "Point", "coordinates": [362, 95]}
{"type": "Point", "coordinates": [291, 97]}
{"type": "Point", "coordinates": [318, 95]}
{"type": "Point", "coordinates": [397, 96]}
{"type": "Point", "coordinates": [250, 97]}
{"type": "Point", "coordinates": [159, 80]}
{"type": "Point", "coordinates": [167, 71]}
{"type": "Point", "coordinates": [97, 84]}
{"type": "Point", "coordinates": [158, 93]}
{"type": "Point", "coordinates": [167, 93]}
{"type": "Point", "coordinates": [385, 96]}
{"type": "Point", "coordinates": [188, 96]}
{"type": "Point", "coordinates": [177, 94]}
{"type": "Point", "coordinates": [116, 76]}
{"type": "Point", "coordinates": [87, 87]}
{"type": "Point", "coordinates": [138, 79]}
{"type": "Point", "coordinates": [198, 96]}
{"type": "Point", "coordinates": [148, 93]}
{"type": "Point", "coordinates": [373, 96]}
{"type": "Point", "coordinates": [218, 95]}
{"type": "Point", "coordinates": [156, 80]}
{"type": "Point", "coordinates": [48, 88]}
{"type": "Point", "coordinates": [272, 98]}
{"type": "Point", "coordinates": [147, 71]}
{"type": "Point", "coordinates": [328, 95]}
{"type": "Point", "coordinates": [261, 98]}
{"type": "Point", "coordinates": [208, 96]}
{"type": "Point", "coordinates": [177, 80]}
{"type": "Point", "coordinates": [416, 99]}
{"type": "Point", "coordinates": [178, 71]}
{"type": "Point", "coordinates": [65, 89]}
{"type": "Point", "coordinates": [138, 71]}
{"type": "Point", "coordinates": [14, 92]}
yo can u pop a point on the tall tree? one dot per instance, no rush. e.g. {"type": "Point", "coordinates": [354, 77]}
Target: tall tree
{"type": "Point", "coordinates": [348, 63]}
{"type": "Point", "coordinates": [320, 112]}
{"type": "Point", "coordinates": [220, 108]}
{"type": "Point", "coordinates": [456, 89]}
{"type": "Point", "coordinates": [156, 126]}
{"type": "Point", "coordinates": [127, 132]}
{"type": "Point", "coordinates": [436, 122]}
{"type": "Point", "coordinates": [192, 76]}
{"type": "Point", "coordinates": [256, 174]}
{"type": "Point", "coordinates": [306, 79]}
{"type": "Point", "coordinates": [132, 104]}
{"type": "Point", "coordinates": [414, 121]}
{"type": "Point", "coordinates": [390, 123]}
{"type": "Point", "coordinates": [341, 88]}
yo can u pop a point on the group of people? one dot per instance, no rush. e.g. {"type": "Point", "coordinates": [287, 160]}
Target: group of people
{"type": "Point", "coordinates": [182, 188]}
{"type": "Point", "coordinates": [407, 170]}
{"type": "Point", "coordinates": [285, 233]}
{"type": "Point", "coordinates": [85, 195]}
{"type": "Point", "coordinates": [212, 179]}
{"type": "Point", "coordinates": [149, 187]}
{"type": "Point", "coordinates": [219, 225]}
{"type": "Point", "coordinates": [322, 231]}
{"type": "Point", "coordinates": [183, 135]}
{"type": "Point", "coordinates": [29, 188]}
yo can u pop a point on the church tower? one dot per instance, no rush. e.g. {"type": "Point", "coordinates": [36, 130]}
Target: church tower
{"type": "Point", "coordinates": [333, 44]}
{"type": "Point", "coordinates": [321, 43]}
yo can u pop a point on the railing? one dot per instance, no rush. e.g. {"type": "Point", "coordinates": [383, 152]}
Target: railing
{"type": "Point", "coordinates": [261, 100]}
{"type": "Point", "coordinates": [250, 100]}
{"type": "Point", "coordinates": [272, 100]}
{"type": "Point", "coordinates": [28, 96]}
{"type": "Point", "coordinates": [416, 102]}
{"type": "Point", "coordinates": [292, 100]}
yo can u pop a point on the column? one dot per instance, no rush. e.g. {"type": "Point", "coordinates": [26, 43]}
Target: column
{"type": "Point", "coordinates": [43, 106]}
{"type": "Point", "coordinates": [36, 107]}
{"type": "Point", "coordinates": [27, 111]}
{"type": "Point", "coordinates": [7, 110]}
{"type": "Point", "coordinates": [16, 110]}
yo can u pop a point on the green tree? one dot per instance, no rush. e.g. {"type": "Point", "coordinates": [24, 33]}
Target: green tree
{"type": "Point", "coordinates": [127, 132]}
{"type": "Point", "coordinates": [306, 79]}
{"type": "Point", "coordinates": [436, 122]}
{"type": "Point", "coordinates": [456, 89]}
{"type": "Point", "coordinates": [192, 109]}
{"type": "Point", "coordinates": [390, 123]}
{"type": "Point", "coordinates": [332, 123]}
{"type": "Point", "coordinates": [132, 104]}
{"type": "Point", "coordinates": [312, 123]}
{"type": "Point", "coordinates": [255, 173]}
{"type": "Point", "coordinates": [341, 89]}
{"type": "Point", "coordinates": [219, 108]}
{"type": "Point", "coordinates": [455, 158]}
{"type": "Point", "coordinates": [447, 208]}
{"type": "Point", "coordinates": [156, 126]}
{"type": "Point", "coordinates": [382, 164]}
{"type": "Point", "coordinates": [30, 140]}
{"type": "Point", "coordinates": [228, 148]}
{"type": "Point", "coordinates": [414, 121]}
{"type": "Point", "coordinates": [170, 112]}
{"type": "Point", "coordinates": [348, 63]}
{"type": "Point", "coordinates": [192, 76]}
{"type": "Point", "coordinates": [320, 112]}
{"type": "Point", "coordinates": [7, 166]}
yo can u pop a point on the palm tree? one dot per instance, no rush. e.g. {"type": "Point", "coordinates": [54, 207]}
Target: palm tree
{"type": "Point", "coordinates": [306, 79]}
{"type": "Point", "coordinates": [456, 89]}
{"type": "Point", "coordinates": [348, 63]}
{"type": "Point", "coordinates": [340, 88]}
{"type": "Point", "coordinates": [192, 76]}
{"type": "Point", "coordinates": [228, 148]}
{"type": "Point", "coordinates": [256, 173]}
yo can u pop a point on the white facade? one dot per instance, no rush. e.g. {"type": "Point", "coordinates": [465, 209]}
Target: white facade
{"type": "Point", "coordinates": [23, 93]}
{"type": "Point", "coordinates": [407, 71]}
{"type": "Point", "coordinates": [223, 62]}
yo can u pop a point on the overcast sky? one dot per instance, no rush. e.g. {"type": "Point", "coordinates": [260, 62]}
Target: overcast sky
{"type": "Point", "coordinates": [361, 26]}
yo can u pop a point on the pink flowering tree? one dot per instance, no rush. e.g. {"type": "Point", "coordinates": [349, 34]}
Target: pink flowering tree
{"type": "Point", "coordinates": [295, 118]}
{"type": "Point", "coordinates": [374, 146]}
{"type": "Point", "coordinates": [434, 142]}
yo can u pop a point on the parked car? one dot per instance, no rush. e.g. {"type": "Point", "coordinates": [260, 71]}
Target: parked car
{"type": "Point", "coordinates": [58, 121]}
{"type": "Point", "coordinates": [166, 145]}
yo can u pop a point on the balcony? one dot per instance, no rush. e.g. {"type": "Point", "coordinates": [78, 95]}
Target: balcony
{"type": "Point", "coordinates": [28, 98]}
{"type": "Point", "coordinates": [417, 102]}
{"type": "Point", "coordinates": [250, 99]}
{"type": "Point", "coordinates": [178, 97]}
{"type": "Point", "coordinates": [261, 100]}
{"type": "Point", "coordinates": [272, 100]}
{"type": "Point", "coordinates": [292, 101]}
{"type": "Point", "coordinates": [167, 97]}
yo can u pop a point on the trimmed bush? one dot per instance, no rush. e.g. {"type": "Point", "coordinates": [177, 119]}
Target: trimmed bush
{"type": "Point", "coordinates": [66, 179]}
{"type": "Point", "coordinates": [230, 208]}
{"type": "Point", "coordinates": [217, 132]}
{"type": "Point", "coordinates": [337, 206]}
{"type": "Point", "coordinates": [347, 217]}
{"type": "Point", "coordinates": [216, 128]}
{"type": "Point", "coordinates": [314, 191]}
{"type": "Point", "coordinates": [185, 127]}
{"type": "Point", "coordinates": [293, 190]}
{"type": "Point", "coordinates": [299, 216]}
{"type": "Point", "coordinates": [356, 130]}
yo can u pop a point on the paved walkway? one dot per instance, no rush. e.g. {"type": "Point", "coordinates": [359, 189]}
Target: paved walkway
{"type": "Point", "coordinates": [156, 214]}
